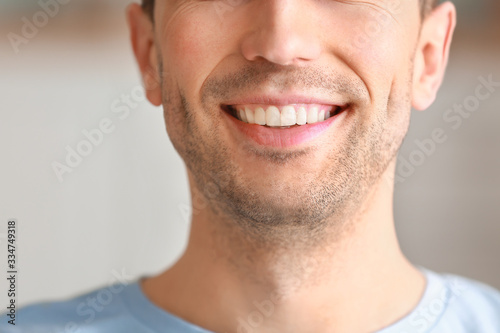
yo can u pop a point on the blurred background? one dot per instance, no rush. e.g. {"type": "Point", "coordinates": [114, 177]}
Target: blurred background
{"type": "Point", "coordinates": [124, 208]}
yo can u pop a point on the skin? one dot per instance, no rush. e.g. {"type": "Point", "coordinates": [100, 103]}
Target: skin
{"type": "Point", "coordinates": [307, 231]}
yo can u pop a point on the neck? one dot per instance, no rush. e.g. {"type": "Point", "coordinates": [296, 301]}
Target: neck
{"type": "Point", "coordinates": [226, 282]}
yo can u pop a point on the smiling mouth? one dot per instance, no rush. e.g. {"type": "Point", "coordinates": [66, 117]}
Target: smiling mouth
{"type": "Point", "coordinates": [284, 116]}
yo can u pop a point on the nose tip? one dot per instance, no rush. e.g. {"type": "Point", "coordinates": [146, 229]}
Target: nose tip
{"type": "Point", "coordinates": [285, 48]}
{"type": "Point", "coordinates": [282, 34]}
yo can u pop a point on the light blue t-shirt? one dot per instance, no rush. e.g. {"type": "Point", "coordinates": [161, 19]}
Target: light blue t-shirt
{"type": "Point", "coordinates": [450, 304]}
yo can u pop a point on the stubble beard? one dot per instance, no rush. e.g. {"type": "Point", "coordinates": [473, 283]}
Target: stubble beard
{"type": "Point", "coordinates": [288, 216]}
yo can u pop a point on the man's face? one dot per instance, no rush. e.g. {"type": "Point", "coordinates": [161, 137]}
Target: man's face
{"type": "Point", "coordinates": [349, 59]}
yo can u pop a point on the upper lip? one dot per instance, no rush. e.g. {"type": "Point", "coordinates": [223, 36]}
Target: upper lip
{"type": "Point", "coordinates": [284, 99]}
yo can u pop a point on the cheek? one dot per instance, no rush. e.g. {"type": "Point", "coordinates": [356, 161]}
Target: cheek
{"type": "Point", "coordinates": [374, 48]}
{"type": "Point", "coordinates": [192, 49]}
{"type": "Point", "coordinates": [192, 45]}
{"type": "Point", "coordinates": [377, 61]}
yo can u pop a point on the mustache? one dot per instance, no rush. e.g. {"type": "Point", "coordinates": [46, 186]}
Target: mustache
{"type": "Point", "coordinates": [326, 80]}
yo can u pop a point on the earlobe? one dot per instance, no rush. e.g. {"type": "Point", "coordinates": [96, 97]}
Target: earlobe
{"type": "Point", "coordinates": [142, 39]}
{"type": "Point", "coordinates": [431, 57]}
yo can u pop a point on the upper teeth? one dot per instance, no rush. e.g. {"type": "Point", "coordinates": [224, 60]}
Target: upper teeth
{"type": "Point", "coordinates": [288, 115]}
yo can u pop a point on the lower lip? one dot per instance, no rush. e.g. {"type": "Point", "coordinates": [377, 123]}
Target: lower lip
{"type": "Point", "coordinates": [282, 137]}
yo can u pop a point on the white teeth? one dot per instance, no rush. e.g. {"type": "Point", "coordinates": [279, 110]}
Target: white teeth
{"type": "Point", "coordinates": [312, 115]}
{"type": "Point", "coordinates": [260, 116]}
{"type": "Point", "coordinates": [327, 115]}
{"type": "Point", "coordinates": [273, 116]}
{"type": "Point", "coordinates": [250, 117]}
{"type": "Point", "coordinates": [301, 116]}
{"type": "Point", "coordinates": [288, 116]}
{"type": "Point", "coordinates": [321, 115]}
{"type": "Point", "coordinates": [243, 115]}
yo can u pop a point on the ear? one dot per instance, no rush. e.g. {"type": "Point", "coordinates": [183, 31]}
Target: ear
{"type": "Point", "coordinates": [143, 43]}
{"type": "Point", "coordinates": [431, 57]}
